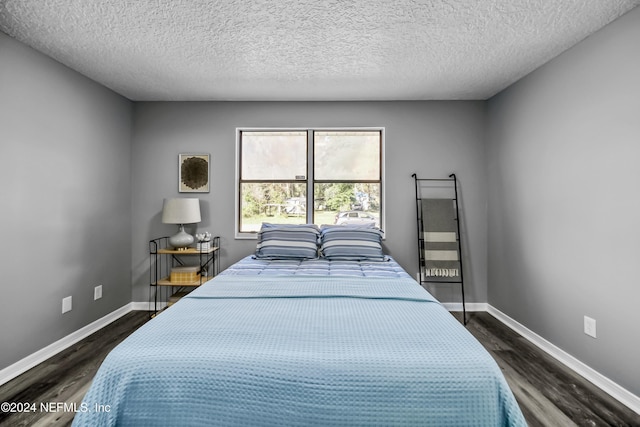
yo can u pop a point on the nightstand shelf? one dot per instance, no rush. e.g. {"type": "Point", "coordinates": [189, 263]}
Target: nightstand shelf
{"type": "Point", "coordinates": [167, 282]}
{"type": "Point", "coordinates": [163, 291]}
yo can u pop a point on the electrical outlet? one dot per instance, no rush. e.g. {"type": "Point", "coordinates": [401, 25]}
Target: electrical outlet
{"type": "Point", "coordinates": [66, 304]}
{"type": "Point", "coordinates": [590, 326]}
{"type": "Point", "coordinates": [97, 292]}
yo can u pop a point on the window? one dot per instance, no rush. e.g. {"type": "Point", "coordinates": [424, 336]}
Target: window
{"type": "Point", "coordinates": [280, 173]}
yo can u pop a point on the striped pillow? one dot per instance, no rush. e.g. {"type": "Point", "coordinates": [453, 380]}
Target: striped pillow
{"type": "Point", "coordinates": [287, 241]}
{"type": "Point", "coordinates": [352, 243]}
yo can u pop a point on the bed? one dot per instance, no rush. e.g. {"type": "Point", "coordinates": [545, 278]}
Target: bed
{"type": "Point", "coordinates": [319, 341]}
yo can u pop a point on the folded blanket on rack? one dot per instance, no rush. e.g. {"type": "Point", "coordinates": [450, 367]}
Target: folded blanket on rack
{"type": "Point", "coordinates": [439, 224]}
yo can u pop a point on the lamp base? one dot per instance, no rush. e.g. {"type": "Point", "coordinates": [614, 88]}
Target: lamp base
{"type": "Point", "coordinates": [181, 239]}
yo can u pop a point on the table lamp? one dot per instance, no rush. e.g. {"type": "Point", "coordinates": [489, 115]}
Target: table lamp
{"type": "Point", "coordinates": [181, 211]}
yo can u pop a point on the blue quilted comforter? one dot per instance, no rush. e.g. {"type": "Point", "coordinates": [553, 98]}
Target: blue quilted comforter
{"type": "Point", "coordinates": [249, 266]}
{"type": "Point", "coordinates": [301, 351]}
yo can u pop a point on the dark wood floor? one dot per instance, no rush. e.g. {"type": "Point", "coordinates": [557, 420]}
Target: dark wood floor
{"type": "Point", "coordinates": [549, 393]}
{"type": "Point", "coordinates": [66, 376]}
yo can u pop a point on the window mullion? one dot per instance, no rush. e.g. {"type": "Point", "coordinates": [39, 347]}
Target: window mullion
{"type": "Point", "coordinates": [310, 194]}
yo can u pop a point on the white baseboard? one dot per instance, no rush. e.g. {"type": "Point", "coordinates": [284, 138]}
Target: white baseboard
{"type": "Point", "coordinates": [23, 365]}
{"type": "Point", "coordinates": [470, 306]}
{"type": "Point", "coordinates": [616, 391]}
{"type": "Point", "coordinates": [147, 306]}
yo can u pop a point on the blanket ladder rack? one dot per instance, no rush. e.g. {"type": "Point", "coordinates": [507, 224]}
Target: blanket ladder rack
{"type": "Point", "coordinates": [437, 262]}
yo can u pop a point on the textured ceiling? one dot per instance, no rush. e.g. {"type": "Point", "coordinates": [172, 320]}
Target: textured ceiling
{"type": "Point", "coordinates": [308, 49]}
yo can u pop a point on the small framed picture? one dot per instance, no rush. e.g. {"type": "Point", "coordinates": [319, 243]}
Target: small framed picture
{"type": "Point", "coordinates": [193, 173]}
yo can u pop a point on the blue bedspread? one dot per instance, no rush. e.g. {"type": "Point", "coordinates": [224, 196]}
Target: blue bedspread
{"type": "Point", "coordinates": [326, 351]}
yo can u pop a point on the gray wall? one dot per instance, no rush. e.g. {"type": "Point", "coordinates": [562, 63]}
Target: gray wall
{"type": "Point", "coordinates": [564, 200]}
{"type": "Point", "coordinates": [430, 138]}
{"type": "Point", "coordinates": [66, 200]}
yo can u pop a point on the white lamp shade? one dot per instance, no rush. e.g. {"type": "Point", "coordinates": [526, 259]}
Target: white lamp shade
{"type": "Point", "coordinates": [181, 211]}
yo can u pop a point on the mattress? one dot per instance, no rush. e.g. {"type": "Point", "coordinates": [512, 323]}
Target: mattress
{"type": "Point", "coordinates": [301, 349]}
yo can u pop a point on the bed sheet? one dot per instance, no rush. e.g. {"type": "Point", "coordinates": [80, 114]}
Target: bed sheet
{"type": "Point", "coordinates": [301, 350]}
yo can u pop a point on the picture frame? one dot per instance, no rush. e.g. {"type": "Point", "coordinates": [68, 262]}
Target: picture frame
{"type": "Point", "coordinates": [193, 173]}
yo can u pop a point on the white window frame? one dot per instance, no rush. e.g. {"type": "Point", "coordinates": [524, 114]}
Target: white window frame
{"type": "Point", "coordinates": [310, 177]}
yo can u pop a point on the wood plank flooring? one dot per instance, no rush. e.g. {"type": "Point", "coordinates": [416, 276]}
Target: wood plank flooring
{"type": "Point", "coordinates": [66, 376]}
{"type": "Point", "coordinates": [548, 393]}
